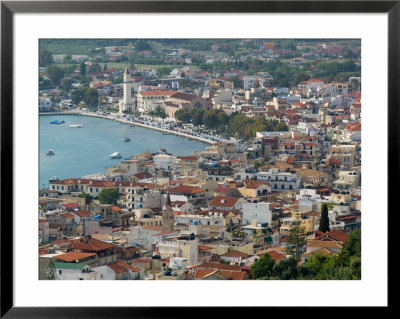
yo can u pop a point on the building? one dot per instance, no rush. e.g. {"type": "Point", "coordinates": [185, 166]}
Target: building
{"type": "Point", "coordinates": [184, 101]}
{"type": "Point", "coordinates": [126, 104]}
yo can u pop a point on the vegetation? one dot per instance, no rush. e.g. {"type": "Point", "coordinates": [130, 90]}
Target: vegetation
{"type": "Point", "coordinates": [55, 74]}
{"type": "Point", "coordinates": [262, 267]}
{"type": "Point", "coordinates": [45, 57]}
{"type": "Point", "coordinates": [50, 271]}
{"type": "Point", "coordinates": [159, 112]}
{"type": "Point", "coordinates": [89, 96]}
{"type": "Point", "coordinates": [324, 220]}
{"type": "Point", "coordinates": [109, 196]}
{"type": "Point", "coordinates": [88, 198]}
{"type": "Point", "coordinates": [238, 125]}
{"type": "Point", "coordinates": [296, 240]}
{"type": "Point", "coordinates": [345, 266]}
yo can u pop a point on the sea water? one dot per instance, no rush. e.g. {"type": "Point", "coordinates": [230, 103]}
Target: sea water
{"type": "Point", "coordinates": [85, 150]}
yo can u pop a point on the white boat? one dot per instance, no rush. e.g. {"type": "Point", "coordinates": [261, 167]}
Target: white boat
{"type": "Point", "coordinates": [75, 125]}
{"type": "Point", "coordinates": [54, 179]}
{"type": "Point", "coordinates": [116, 155]}
{"type": "Point", "coordinates": [50, 152]}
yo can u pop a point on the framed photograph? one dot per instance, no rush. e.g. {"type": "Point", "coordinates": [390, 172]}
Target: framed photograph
{"type": "Point", "coordinates": [207, 152]}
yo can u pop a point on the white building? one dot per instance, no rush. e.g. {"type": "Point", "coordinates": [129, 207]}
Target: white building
{"type": "Point", "coordinates": [44, 104]}
{"type": "Point", "coordinates": [280, 181]}
{"type": "Point", "coordinates": [249, 82]}
{"type": "Point", "coordinates": [164, 161]}
{"type": "Point", "coordinates": [260, 212]}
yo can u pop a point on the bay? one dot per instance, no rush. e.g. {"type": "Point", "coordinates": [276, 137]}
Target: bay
{"type": "Point", "coordinates": [85, 150]}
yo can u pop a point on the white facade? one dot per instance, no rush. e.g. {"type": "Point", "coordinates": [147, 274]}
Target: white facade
{"type": "Point", "coordinates": [280, 181]}
{"type": "Point", "coordinates": [164, 161]}
{"type": "Point", "coordinates": [126, 103]}
{"type": "Point", "coordinates": [260, 212]}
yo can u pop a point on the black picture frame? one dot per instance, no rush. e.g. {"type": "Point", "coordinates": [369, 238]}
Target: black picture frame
{"type": "Point", "coordinates": [9, 8]}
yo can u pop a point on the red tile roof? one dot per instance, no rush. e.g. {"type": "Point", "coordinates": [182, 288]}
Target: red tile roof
{"type": "Point", "coordinates": [74, 256]}
{"type": "Point", "coordinates": [185, 189]}
{"type": "Point", "coordinates": [223, 201]}
{"type": "Point", "coordinates": [68, 215]}
{"type": "Point", "coordinates": [89, 244]}
{"type": "Point", "coordinates": [234, 253]}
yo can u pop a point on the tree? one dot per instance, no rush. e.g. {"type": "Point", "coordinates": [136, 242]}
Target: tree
{"type": "Point", "coordinates": [50, 271]}
{"type": "Point", "coordinates": [105, 67]}
{"type": "Point", "coordinates": [141, 45]}
{"type": "Point", "coordinates": [324, 220]}
{"type": "Point", "coordinates": [88, 198]}
{"type": "Point", "coordinates": [82, 69]}
{"type": "Point", "coordinates": [94, 68]}
{"type": "Point", "coordinates": [262, 267]}
{"type": "Point", "coordinates": [286, 269]}
{"type": "Point", "coordinates": [55, 74]}
{"type": "Point", "coordinates": [109, 196]}
{"type": "Point", "coordinates": [91, 97]}
{"type": "Point", "coordinates": [66, 84]}
{"type": "Point", "coordinates": [45, 57]}
{"type": "Point", "coordinates": [296, 240]}
{"type": "Point", "coordinates": [77, 95]}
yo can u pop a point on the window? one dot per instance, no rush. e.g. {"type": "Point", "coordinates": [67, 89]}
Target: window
{"type": "Point", "coordinates": [60, 272]}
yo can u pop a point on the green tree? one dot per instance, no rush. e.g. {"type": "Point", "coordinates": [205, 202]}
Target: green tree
{"type": "Point", "coordinates": [77, 95]}
{"type": "Point", "coordinates": [109, 196]}
{"type": "Point", "coordinates": [105, 67]}
{"type": "Point", "coordinates": [183, 116]}
{"type": "Point", "coordinates": [88, 198]}
{"type": "Point", "coordinates": [286, 269]}
{"type": "Point", "coordinates": [296, 240]}
{"type": "Point", "coordinates": [55, 74]}
{"type": "Point", "coordinates": [324, 220]}
{"type": "Point", "coordinates": [67, 59]}
{"type": "Point", "coordinates": [50, 271]}
{"type": "Point", "coordinates": [91, 97]}
{"type": "Point", "coordinates": [262, 267]}
{"type": "Point", "coordinates": [45, 57]}
{"type": "Point", "coordinates": [82, 69]}
{"type": "Point", "coordinates": [66, 84]}
{"type": "Point", "coordinates": [141, 45]}
{"type": "Point", "coordinates": [94, 68]}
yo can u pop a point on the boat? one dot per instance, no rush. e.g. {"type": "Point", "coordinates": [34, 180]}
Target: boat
{"type": "Point", "coordinates": [57, 122]}
{"type": "Point", "coordinates": [115, 155]}
{"type": "Point", "coordinates": [54, 179]}
{"type": "Point", "coordinates": [127, 139]}
{"type": "Point", "coordinates": [75, 125]}
{"type": "Point", "coordinates": [50, 152]}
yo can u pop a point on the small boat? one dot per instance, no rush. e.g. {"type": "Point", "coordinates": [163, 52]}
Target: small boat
{"type": "Point", "coordinates": [57, 122]}
{"type": "Point", "coordinates": [75, 125]}
{"type": "Point", "coordinates": [50, 152]}
{"type": "Point", "coordinates": [54, 179]}
{"type": "Point", "coordinates": [127, 139]}
{"type": "Point", "coordinates": [115, 155]}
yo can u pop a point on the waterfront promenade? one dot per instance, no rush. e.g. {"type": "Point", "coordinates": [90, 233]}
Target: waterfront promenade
{"type": "Point", "coordinates": [123, 120]}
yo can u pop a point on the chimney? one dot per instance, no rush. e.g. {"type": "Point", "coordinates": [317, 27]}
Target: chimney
{"type": "Point", "coordinates": [254, 223]}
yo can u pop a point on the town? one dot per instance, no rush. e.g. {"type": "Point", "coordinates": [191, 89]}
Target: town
{"type": "Point", "coordinates": [275, 194]}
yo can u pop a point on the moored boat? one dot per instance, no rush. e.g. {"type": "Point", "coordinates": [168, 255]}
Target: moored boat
{"type": "Point", "coordinates": [127, 139]}
{"type": "Point", "coordinates": [54, 179]}
{"type": "Point", "coordinates": [75, 125]}
{"type": "Point", "coordinates": [115, 155]}
{"type": "Point", "coordinates": [57, 122]}
{"type": "Point", "coordinates": [50, 152]}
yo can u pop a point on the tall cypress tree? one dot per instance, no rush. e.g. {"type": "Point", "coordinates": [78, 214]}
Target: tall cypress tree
{"type": "Point", "coordinates": [324, 220]}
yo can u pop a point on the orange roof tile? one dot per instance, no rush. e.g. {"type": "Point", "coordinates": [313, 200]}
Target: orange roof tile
{"type": "Point", "coordinates": [74, 256]}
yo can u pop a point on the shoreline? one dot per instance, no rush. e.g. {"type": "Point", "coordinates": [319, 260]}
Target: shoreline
{"type": "Point", "coordinates": [200, 139]}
